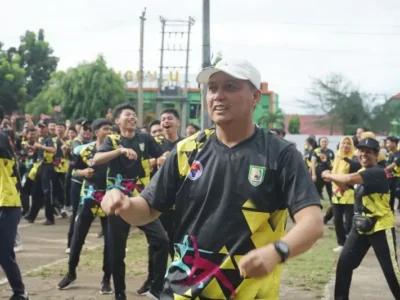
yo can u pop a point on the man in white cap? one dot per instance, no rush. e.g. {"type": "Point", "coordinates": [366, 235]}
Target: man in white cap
{"type": "Point", "coordinates": [232, 187]}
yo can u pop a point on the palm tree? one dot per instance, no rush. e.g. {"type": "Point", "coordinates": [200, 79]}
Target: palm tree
{"type": "Point", "coordinates": [272, 119]}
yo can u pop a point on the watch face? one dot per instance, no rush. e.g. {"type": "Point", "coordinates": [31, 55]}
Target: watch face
{"type": "Point", "coordinates": [283, 247]}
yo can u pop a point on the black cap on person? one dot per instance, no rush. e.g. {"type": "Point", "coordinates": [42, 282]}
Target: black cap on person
{"type": "Point", "coordinates": [369, 143]}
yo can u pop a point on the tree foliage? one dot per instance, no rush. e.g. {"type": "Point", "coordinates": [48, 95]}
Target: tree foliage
{"type": "Point", "coordinates": [12, 80]}
{"type": "Point", "coordinates": [294, 125]}
{"type": "Point", "coordinates": [345, 106]}
{"type": "Point", "coordinates": [272, 119]}
{"type": "Point", "coordinates": [88, 90]}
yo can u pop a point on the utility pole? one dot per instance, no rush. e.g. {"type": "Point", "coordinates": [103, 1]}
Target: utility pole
{"type": "Point", "coordinates": [205, 118]}
{"type": "Point", "coordinates": [140, 81]}
{"type": "Point", "coordinates": [171, 92]}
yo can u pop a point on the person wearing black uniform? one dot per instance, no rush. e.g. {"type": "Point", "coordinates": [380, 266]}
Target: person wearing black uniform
{"type": "Point", "coordinates": [85, 137]}
{"type": "Point", "coordinates": [232, 187]}
{"type": "Point", "coordinates": [169, 124]}
{"type": "Point", "coordinates": [374, 222]}
{"type": "Point", "coordinates": [128, 155]}
{"type": "Point", "coordinates": [43, 185]}
{"type": "Point", "coordinates": [321, 160]}
{"type": "Point", "coordinates": [393, 166]}
{"type": "Point", "coordinates": [10, 214]}
{"type": "Point", "coordinates": [72, 134]}
{"type": "Point", "coordinates": [95, 184]}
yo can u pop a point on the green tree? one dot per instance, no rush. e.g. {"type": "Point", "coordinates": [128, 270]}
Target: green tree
{"type": "Point", "coordinates": [345, 106]}
{"type": "Point", "coordinates": [88, 90]}
{"type": "Point", "coordinates": [272, 119]}
{"type": "Point", "coordinates": [294, 125]}
{"type": "Point", "coordinates": [12, 80]}
{"type": "Point", "coordinates": [38, 61]}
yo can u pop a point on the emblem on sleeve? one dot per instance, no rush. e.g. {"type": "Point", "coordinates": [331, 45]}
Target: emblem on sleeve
{"type": "Point", "coordinates": [256, 175]}
{"type": "Point", "coordinates": [141, 146]}
{"type": "Point", "coordinates": [196, 169]}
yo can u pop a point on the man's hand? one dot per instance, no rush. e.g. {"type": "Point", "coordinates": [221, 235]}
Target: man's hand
{"type": "Point", "coordinates": [259, 262]}
{"type": "Point", "coordinates": [88, 173]}
{"type": "Point", "coordinates": [129, 153]}
{"type": "Point", "coordinates": [161, 160]}
{"type": "Point", "coordinates": [314, 178]}
{"type": "Point", "coordinates": [325, 176]}
{"type": "Point", "coordinates": [115, 202]}
{"type": "Point", "coordinates": [38, 145]}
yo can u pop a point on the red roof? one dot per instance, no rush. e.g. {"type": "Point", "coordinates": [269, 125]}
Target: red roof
{"type": "Point", "coordinates": [309, 125]}
{"type": "Point", "coordinates": [397, 96]}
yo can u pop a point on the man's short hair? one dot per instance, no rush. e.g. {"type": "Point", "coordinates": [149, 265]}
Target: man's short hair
{"type": "Point", "coordinates": [118, 109]}
{"type": "Point", "coordinates": [61, 124]}
{"type": "Point", "coordinates": [172, 111]}
{"type": "Point", "coordinates": [194, 126]}
{"type": "Point", "coordinates": [30, 129]}
{"type": "Point", "coordinates": [393, 139]}
{"type": "Point", "coordinates": [154, 122]}
{"type": "Point", "coordinates": [72, 129]}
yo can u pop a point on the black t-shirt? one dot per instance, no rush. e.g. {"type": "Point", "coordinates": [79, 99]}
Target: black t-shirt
{"type": "Point", "coordinates": [324, 158]}
{"type": "Point", "coordinates": [228, 201]}
{"type": "Point", "coordinates": [131, 176]}
{"type": "Point", "coordinates": [45, 156]}
{"type": "Point", "coordinates": [394, 158]}
{"type": "Point", "coordinates": [167, 145]}
{"type": "Point", "coordinates": [94, 188]}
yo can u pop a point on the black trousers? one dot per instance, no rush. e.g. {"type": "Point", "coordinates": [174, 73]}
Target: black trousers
{"type": "Point", "coordinates": [357, 245]}
{"type": "Point", "coordinates": [9, 219]}
{"type": "Point", "coordinates": [393, 186]}
{"type": "Point", "coordinates": [343, 218]}
{"type": "Point", "coordinates": [157, 239]}
{"type": "Point", "coordinates": [82, 225]}
{"type": "Point", "coordinates": [75, 198]}
{"type": "Point", "coordinates": [68, 182]}
{"type": "Point", "coordinates": [26, 192]}
{"type": "Point", "coordinates": [43, 192]}
{"type": "Point", "coordinates": [59, 188]}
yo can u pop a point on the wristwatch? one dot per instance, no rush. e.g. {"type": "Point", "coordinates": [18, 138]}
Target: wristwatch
{"type": "Point", "coordinates": [283, 250]}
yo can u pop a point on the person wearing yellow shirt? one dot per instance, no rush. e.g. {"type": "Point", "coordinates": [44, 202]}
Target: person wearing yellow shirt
{"type": "Point", "coordinates": [374, 222]}
{"type": "Point", "coordinates": [343, 195]}
{"type": "Point", "coordinates": [10, 213]}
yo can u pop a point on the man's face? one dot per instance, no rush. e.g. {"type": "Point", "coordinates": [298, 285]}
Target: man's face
{"type": "Point", "coordinates": [43, 130]}
{"type": "Point", "coordinates": [367, 157]}
{"type": "Point", "coordinates": [358, 133]}
{"type": "Point", "coordinates": [156, 131]}
{"type": "Point", "coordinates": [60, 130]}
{"type": "Point", "coordinates": [31, 136]}
{"type": "Point", "coordinates": [190, 130]}
{"type": "Point", "coordinates": [103, 132]}
{"type": "Point", "coordinates": [86, 132]}
{"type": "Point", "coordinates": [71, 134]}
{"type": "Point", "coordinates": [52, 128]}
{"type": "Point", "coordinates": [390, 145]}
{"type": "Point", "coordinates": [324, 143]}
{"type": "Point", "coordinates": [229, 99]}
{"type": "Point", "coordinates": [169, 123]}
{"type": "Point", "coordinates": [127, 120]}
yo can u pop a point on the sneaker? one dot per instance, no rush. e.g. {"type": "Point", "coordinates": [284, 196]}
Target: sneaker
{"type": "Point", "coordinates": [66, 282]}
{"type": "Point", "coordinates": [67, 251]}
{"type": "Point", "coordinates": [338, 249]}
{"type": "Point", "coordinates": [29, 219]}
{"type": "Point", "coordinates": [153, 295]}
{"type": "Point", "coordinates": [120, 297]}
{"type": "Point", "coordinates": [145, 287]}
{"type": "Point", "coordinates": [48, 222]}
{"type": "Point", "coordinates": [18, 248]}
{"type": "Point", "coordinates": [64, 214]}
{"type": "Point", "coordinates": [105, 287]}
{"type": "Point", "coordinates": [19, 297]}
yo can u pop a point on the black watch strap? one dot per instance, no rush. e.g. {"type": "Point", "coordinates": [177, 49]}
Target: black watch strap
{"type": "Point", "coordinates": [283, 250]}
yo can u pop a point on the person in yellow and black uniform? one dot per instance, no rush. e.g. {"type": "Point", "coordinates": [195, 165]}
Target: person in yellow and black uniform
{"type": "Point", "coordinates": [310, 146]}
{"type": "Point", "coordinates": [393, 166]}
{"type": "Point", "coordinates": [343, 195]}
{"type": "Point", "coordinates": [128, 156]}
{"type": "Point", "coordinates": [374, 222]}
{"type": "Point", "coordinates": [10, 214]}
{"type": "Point", "coordinates": [321, 160]}
{"type": "Point", "coordinates": [94, 188]}
{"type": "Point", "coordinates": [43, 185]}
{"type": "Point", "coordinates": [29, 158]}
{"type": "Point", "coordinates": [60, 166]}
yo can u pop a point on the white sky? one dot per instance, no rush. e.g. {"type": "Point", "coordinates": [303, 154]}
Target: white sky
{"type": "Point", "coordinates": [289, 41]}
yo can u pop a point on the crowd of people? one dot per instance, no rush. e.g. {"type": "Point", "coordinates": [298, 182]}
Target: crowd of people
{"type": "Point", "coordinates": [216, 201]}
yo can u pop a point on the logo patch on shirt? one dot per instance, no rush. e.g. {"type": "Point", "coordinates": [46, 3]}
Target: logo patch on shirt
{"type": "Point", "coordinates": [256, 175]}
{"type": "Point", "coordinates": [141, 146]}
{"type": "Point", "coordinates": [196, 169]}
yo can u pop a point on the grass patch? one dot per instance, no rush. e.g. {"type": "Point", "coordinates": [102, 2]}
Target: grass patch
{"type": "Point", "coordinates": [92, 260]}
{"type": "Point", "coordinates": [312, 270]}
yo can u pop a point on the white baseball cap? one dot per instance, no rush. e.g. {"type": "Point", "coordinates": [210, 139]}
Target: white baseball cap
{"type": "Point", "coordinates": [236, 67]}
